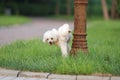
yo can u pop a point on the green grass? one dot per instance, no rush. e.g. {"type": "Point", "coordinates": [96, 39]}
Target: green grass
{"type": "Point", "coordinates": [71, 17]}
{"type": "Point", "coordinates": [34, 55]}
{"type": "Point", "coordinates": [12, 20]}
{"type": "Point", "coordinates": [62, 17]}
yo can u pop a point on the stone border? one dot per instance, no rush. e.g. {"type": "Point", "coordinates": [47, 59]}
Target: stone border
{"type": "Point", "coordinates": [33, 74]}
{"type": "Point", "coordinates": [8, 72]}
{"type": "Point", "coordinates": [51, 76]}
{"type": "Point", "coordinates": [63, 77]}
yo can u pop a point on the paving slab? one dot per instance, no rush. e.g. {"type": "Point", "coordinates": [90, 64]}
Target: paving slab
{"type": "Point", "coordinates": [63, 77]}
{"type": "Point", "coordinates": [8, 78]}
{"type": "Point", "coordinates": [55, 79]}
{"type": "Point", "coordinates": [20, 78]}
{"type": "Point", "coordinates": [33, 74]}
{"type": "Point", "coordinates": [2, 76]}
{"type": "Point", "coordinates": [26, 78]}
{"type": "Point", "coordinates": [36, 79]}
{"type": "Point", "coordinates": [115, 78]}
{"type": "Point", "coordinates": [92, 78]}
{"type": "Point", "coordinates": [8, 72]}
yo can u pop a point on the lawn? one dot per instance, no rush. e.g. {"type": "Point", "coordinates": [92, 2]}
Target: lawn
{"type": "Point", "coordinates": [12, 20]}
{"type": "Point", "coordinates": [34, 55]}
{"type": "Point", "coordinates": [61, 17]}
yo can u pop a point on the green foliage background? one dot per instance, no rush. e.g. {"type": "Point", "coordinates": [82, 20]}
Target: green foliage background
{"type": "Point", "coordinates": [47, 7]}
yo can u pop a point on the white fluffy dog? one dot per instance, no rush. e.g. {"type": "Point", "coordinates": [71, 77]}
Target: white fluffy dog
{"type": "Point", "coordinates": [61, 37]}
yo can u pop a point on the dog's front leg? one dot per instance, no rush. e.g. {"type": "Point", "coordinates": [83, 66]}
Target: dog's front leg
{"type": "Point", "coordinates": [64, 49]}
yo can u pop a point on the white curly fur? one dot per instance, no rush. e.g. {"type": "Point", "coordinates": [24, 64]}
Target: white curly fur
{"type": "Point", "coordinates": [61, 37]}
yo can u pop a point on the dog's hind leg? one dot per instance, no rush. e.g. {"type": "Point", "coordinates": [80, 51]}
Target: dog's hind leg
{"type": "Point", "coordinates": [64, 49]}
{"type": "Point", "coordinates": [68, 48]}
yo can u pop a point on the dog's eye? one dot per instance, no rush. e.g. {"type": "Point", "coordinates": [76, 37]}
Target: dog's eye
{"type": "Point", "coordinates": [47, 39]}
{"type": "Point", "coordinates": [51, 38]}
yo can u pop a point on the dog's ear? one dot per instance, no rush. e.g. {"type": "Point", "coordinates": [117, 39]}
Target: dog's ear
{"type": "Point", "coordinates": [44, 40]}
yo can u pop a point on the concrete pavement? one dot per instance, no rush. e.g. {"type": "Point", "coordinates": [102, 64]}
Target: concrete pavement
{"type": "Point", "coordinates": [35, 29]}
{"type": "Point", "coordinates": [6, 74]}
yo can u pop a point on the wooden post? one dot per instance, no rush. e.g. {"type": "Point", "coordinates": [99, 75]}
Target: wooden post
{"type": "Point", "coordinates": [79, 41]}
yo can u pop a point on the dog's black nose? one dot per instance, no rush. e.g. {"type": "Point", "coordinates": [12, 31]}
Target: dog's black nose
{"type": "Point", "coordinates": [50, 42]}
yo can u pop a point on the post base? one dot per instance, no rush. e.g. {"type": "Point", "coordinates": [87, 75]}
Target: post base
{"type": "Point", "coordinates": [74, 51]}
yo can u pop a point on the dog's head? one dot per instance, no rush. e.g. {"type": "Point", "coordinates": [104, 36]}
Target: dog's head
{"type": "Point", "coordinates": [51, 37]}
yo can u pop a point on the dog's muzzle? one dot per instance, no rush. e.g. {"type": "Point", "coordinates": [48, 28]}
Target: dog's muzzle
{"type": "Point", "coordinates": [50, 43]}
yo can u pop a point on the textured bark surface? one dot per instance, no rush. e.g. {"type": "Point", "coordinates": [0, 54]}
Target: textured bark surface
{"type": "Point", "coordinates": [69, 7]}
{"type": "Point", "coordinates": [114, 14]}
{"type": "Point", "coordinates": [57, 10]}
{"type": "Point", "coordinates": [105, 10]}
